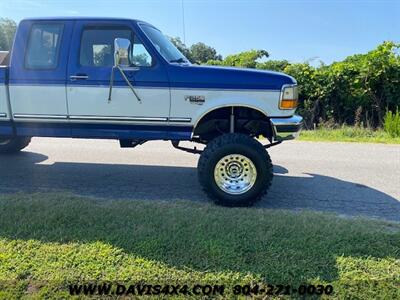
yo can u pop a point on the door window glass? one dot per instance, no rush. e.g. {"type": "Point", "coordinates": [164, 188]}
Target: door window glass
{"type": "Point", "coordinates": [139, 55]}
{"type": "Point", "coordinates": [97, 47]}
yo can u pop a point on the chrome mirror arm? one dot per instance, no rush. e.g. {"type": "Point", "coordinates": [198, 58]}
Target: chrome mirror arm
{"type": "Point", "coordinates": [129, 84]}
{"type": "Point", "coordinates": [126, 80]}
{"type": "Point", "coordinates": [111, 84]}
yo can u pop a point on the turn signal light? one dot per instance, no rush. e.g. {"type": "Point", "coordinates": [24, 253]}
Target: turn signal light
{"type": "Point", "coordinates": [289, 97]}
{"type": "Point", "coordinates": [288, 104]}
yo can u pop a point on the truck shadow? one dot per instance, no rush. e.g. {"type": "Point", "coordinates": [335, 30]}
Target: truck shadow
{"type": "Point", "coordinates": [23, 172]}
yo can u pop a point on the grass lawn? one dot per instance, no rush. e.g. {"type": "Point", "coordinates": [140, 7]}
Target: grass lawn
{"type": "Point", "coordinates": [50, 240]}
{"type": "Point", "coordinates": [348, 134]}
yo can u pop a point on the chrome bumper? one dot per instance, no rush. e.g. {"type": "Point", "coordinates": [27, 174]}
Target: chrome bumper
{"type": "Point", "coordinates": [286, 128]}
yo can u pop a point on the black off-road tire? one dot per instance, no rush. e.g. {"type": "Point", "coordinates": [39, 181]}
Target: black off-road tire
{"type": "Point", "coordinates": [235, 143]}
{"type": "Point", "coordinates": [13, 144]}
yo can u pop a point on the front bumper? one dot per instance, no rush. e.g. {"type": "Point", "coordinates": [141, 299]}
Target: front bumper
{"type": "Point", "coordinates": [286, 128]}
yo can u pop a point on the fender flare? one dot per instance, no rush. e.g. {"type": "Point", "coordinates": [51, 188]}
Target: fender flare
{"type": "Point", "coordinates": [221, 103]}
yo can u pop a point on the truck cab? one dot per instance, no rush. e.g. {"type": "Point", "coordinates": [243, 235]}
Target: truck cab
{"type": "Point", "coordinates": [123, 79]}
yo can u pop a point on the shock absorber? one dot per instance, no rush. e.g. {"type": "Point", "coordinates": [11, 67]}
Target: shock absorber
{"type": "Point", "coordinates": [232, 121]}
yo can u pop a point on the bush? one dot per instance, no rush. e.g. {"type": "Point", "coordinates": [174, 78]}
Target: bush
{"type": "Point", "coordinates": [355, 91]}
{"type": "Point", "coordinates": [392, 123]}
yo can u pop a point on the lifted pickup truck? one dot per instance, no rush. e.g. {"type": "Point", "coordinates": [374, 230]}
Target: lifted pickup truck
{"type": "Point", "coordinates": [123, 79]}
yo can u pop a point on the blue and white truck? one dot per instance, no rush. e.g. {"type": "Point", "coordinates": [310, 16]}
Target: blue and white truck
{"type": "Point", "coordinates": [122, 79]}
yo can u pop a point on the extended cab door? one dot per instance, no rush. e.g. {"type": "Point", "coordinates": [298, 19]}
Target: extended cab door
{"type": "Point", "coordinates": [38, 77]}
{"type": "Point", "coordinates": [90, 64]}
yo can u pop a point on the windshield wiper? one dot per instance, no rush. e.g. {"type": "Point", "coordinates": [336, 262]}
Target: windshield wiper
{"type": "Point", "coordinates": [179, 60]}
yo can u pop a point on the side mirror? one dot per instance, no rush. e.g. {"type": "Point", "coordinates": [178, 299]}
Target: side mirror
{"type": "Point", "coordinates": [121, 52]}
{"type": "Point", "coordinates": [121, 59]}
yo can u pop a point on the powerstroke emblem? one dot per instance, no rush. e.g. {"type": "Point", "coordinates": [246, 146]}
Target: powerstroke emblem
{"type": "Point", "coordinates": [195, 99]}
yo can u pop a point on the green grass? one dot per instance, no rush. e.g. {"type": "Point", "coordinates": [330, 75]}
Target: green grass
{"type": "Point", "coordinates": [349, 134]}
{"type": "Point", "coordinates": [50, 240]}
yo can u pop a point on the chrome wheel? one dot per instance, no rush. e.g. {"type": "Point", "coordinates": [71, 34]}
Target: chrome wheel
{"type": "Point", "coordinates": [235, 174]}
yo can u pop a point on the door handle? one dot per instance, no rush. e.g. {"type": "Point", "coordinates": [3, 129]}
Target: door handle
{"type": "Point", "coordinates": [78, 76]}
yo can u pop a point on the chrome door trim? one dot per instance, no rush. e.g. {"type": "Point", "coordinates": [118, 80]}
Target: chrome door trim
{"type": "Point", "coordinates": [76, 77]}
{"type": "Point", "coordinates": [39, 116]}
{"type": "Point", "coordinates": [100, 118]}
{"type": "Point", "coordinates": [119, 118]}
{"type": "Point", "coordinates": [183, 120]}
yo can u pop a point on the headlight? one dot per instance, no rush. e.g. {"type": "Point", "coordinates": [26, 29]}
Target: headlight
{"type": "Point", "coordinates": [289, 97]}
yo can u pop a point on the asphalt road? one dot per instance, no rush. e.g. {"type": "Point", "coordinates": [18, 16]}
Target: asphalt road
{"type": "Point", "coordinates": [346, 178]}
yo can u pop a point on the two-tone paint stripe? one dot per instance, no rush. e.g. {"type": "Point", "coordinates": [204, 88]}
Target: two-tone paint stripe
{"type": "Point", "coordinates": [145, 85]}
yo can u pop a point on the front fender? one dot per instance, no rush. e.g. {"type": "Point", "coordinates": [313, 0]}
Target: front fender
{"type": "Point", "coordinates": [265, 101]}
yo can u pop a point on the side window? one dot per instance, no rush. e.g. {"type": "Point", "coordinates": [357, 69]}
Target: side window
{"type": "Point", "coordinates": [140, 57]}
{"type": "Point", "coordinates": [97, 47]}
{"type": "Point", "coordinates": [43, 46]}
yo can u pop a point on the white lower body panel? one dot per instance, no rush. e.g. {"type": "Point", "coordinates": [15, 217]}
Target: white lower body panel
{"type": "Point", "coordinates": [41, 101]}
{"type": "Point", "coordinates": [92, 101]}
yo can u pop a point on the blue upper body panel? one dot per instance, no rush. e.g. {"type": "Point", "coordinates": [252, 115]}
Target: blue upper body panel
{"type": "Point", "coordinates": [226, 78]}
{"type": "Point", "coordinates": [3, 74]}
{"type": "Point", "coordinates": [179, 75]}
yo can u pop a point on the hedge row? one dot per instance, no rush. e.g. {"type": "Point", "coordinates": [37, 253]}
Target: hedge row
{"type": "Point", "coordinates": [356, 91]}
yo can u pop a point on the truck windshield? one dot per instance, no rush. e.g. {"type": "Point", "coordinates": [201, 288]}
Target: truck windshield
{"type": "Point", "coordinates": [166, 48]}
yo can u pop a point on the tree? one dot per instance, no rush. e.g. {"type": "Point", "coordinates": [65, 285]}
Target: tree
{"type": "Point", "coordinates": [247, 59]}
{"type": "Point", "coordinates": [181, 47]}
{"type": "Point", "coordinates": [273, 65]}
{"type": "Point", "coordinates": [198, 53]}
{"type": "Point", "coordinates": [201, 53]}
{"type": "Point", "coordinates": [358, 89]}
{"type": "Point", "coordinates": [378, 78]}
{"type": "Point", "coordinates": [7, 32]}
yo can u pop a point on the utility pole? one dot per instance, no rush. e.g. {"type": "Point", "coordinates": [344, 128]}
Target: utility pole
{"type": "Point", "coordinates": [183, 23]}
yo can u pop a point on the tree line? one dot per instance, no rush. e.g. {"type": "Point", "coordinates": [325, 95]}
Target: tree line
{"type": "Point", "coordinates": [356, 91]}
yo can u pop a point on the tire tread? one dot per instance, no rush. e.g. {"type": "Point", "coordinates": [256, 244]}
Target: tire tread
{"type": "Point", "coordinates": [209, 152]}
{"type": "Point", "coordinates": [15, 145]}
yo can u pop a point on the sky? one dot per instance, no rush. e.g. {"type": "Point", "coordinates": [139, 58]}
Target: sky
{"type": "Point", "coordinates": [299, 31]}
